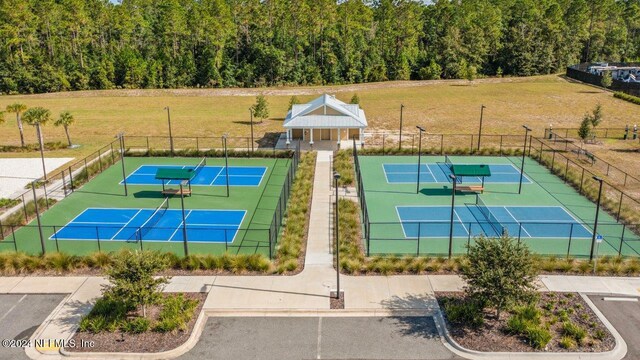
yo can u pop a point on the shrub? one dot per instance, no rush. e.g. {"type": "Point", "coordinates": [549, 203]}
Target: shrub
{"type": "Point", "coordinates": [538, 336]}
{"type": "Point", "coordinates": [627, 97]}
{"type": "Point", "coordinates": [466, 312]}
{"type": "Point", "coordinates": [599, 334]}
{"type": "Point", "coordinates": [136, 325]}
{"type": "Point", "coordinates": [574, 331]}
{"type": "Point", "coordinates": [567, 342]}
{"type": "Point", "coordinates": [175, 314]}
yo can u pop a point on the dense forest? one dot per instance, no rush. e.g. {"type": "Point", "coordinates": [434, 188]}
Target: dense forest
{"type": "Point", "coordinates": [56, 45]}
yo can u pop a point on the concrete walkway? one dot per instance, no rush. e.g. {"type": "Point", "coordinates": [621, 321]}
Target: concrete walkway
{"type": "Point", "coordinates": [304, 294]}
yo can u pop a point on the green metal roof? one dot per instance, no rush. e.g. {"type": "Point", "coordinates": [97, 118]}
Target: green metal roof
{"type": "Point", "coordinates": [470, 170]}
{"type": "Point", "coordinates": [174, 174]}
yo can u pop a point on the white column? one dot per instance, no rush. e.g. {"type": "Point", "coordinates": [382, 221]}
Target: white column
{"type": "Point", "coordinates": [361, 137]}
{"type": "Point", "coordinates": [310, 136]}
{"type": "Point", "coordinates": [288, 136]}
{"type": "Point", "coordinates": [339, 137]}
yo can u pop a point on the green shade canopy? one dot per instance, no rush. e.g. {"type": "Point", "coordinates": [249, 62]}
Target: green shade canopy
{"type": "Point", "coordinates": [471, 170]}
{"type": "Point", "coordinates": [174, 174]}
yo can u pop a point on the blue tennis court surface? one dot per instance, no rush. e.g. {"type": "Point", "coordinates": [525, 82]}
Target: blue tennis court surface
{"type": "Point", "coordinates": [439, 173]}
{"type": "Point", "coordinates": [471, 220]}
{"type": "Point", "coordinates": [206, 176]}
{"type": "Point", "coordinates": [218, 226]}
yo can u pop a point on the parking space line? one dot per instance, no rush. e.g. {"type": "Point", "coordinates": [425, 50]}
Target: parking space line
{"type": "Point", "coordinates": [13, 307]}
{"type": "Point", "coordinates": [319, 336]}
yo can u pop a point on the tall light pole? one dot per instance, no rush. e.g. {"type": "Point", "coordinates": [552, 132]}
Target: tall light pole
{"type": "Point", "coordinates": [400, 140]}
{"type": "Point", "coordinates": [419, 151]}
{"type": "Point", "coordinates": [226, 161]}
{"type": "Point", "coordinates": [453, 203]}
{"type": "Point", "coordinates": [336, 176]}
{"type": "Point", "coordinates": [595, 224]}
{"type": "Point", "coordinates": [524, 151]}
{"type": "Point", "coordinates": [480, 129]}
{"type": "Point", "coordinates": [251, 113]}
{"type": "Point", "coordinates": [170, 135]}
{"type": "Point", "coordinates": [44, 169]}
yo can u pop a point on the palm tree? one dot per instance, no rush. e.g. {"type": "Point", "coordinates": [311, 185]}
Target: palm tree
{"type": "Point", "coordinates": [65, 120]}
{"type": "Point", "coordinates": [18, 109]}
{"type": "Point", "coordinates": [38, 116]}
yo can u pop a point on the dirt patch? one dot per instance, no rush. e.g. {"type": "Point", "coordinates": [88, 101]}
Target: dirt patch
{"type": "Point", "coordinates": [148, 342]}
{"type": "Point", "coordinates": [492, 336]}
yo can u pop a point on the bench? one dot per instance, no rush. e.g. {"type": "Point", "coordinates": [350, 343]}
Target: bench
{"type": "Point", "coordinates": [471, 188]}
{"type": "Point", "coordinates": [185, 192]}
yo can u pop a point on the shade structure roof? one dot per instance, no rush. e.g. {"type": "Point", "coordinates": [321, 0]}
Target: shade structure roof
{"type": "Point", "coordinates": [175, 174]}
{"type": "Point", "coordinates": [471, 170]}
{"type": "Point", "coordinates": [325, 112]}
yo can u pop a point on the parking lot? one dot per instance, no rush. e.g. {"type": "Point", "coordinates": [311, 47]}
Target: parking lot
{"type": "Point", "coordinates": [20, 316]}
{"type": "Point", "coordinates": [624, 314]}
{"type": "Point", "coordinates": [319, 338]}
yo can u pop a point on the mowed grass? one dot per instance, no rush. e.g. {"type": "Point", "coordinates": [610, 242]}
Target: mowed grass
{"type": "Point", "coordinates": [441, 106]}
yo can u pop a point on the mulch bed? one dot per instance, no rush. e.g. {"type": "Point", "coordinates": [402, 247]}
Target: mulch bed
{"type": "Point", "coordinates": [148, 342]}
{"type": "Point", "coordinates": [336, 303]}
{"type": "Point", "coordinates": [492, 336]}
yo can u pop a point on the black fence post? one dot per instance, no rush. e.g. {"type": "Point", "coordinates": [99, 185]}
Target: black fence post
{"type": "Point", "coordinates": [55, 236]}
{"type": "Point", "coordinates": [13, 234]}
{"type": "Point", "coordinates": [501, 145]}
{"type": "Point", "coordinates": [570, 237]}
{"type": "Point", "coordinates": [624, 227]}
{"type": "Point", "coordinates": [418, 247]}
{"type": "Point", "coordinates": [620, 206]}
{"type": "Point", "coordinates": [98, 238]}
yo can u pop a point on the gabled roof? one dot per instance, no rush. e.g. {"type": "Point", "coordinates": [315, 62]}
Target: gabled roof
{"type": "Point", "coordinates": [349, 115]}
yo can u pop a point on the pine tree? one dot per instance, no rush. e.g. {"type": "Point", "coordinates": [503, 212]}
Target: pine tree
{"type": "Point", "coordinates": [585, 127]}
{"type": "Point", "coordinates": [293, 101]}
{"type": "Point", "coordinates": [261, 108]}
{"type": "Point", "coordinates": [355, 99]}
{"type": "Point", "coordinates": [607, 80]}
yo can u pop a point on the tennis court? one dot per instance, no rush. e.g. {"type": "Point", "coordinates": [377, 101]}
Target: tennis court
{"type": "Point", "coordinates": [205, 176]}
{"type": "Point", "coordinates": [547, 214]}
{"type": "Point", "coordinates": [152, 225]}
{"type": "Point", "coordinates": [439, 173]}
{"type": "Point", "coordinates": [476, 219]}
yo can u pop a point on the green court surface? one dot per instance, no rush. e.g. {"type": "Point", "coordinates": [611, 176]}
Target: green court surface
{"type": "Point", "coordinates": [106, 191]}
{"type": "Point", "coordinates": [549, 216]}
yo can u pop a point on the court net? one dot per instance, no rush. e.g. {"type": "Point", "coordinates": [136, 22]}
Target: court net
{"type": "Point", "coordinates": [154, 218]}
{"type": "Point", "coordinates": [200, 166]}
{"type": "Point", "coordinates": [491, 219]}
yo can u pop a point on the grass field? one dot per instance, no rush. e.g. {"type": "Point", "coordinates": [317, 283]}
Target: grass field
{"type": "Point", "coordinates": [387, 236]}
{"type": "Point", "coordinates": [437, 105]}
{"type": "Point", "coordinates": [105, 191]}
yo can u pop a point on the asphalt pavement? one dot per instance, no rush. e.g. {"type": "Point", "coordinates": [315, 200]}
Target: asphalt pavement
{"type": "Point", "coordinates": [319, 338]}
{"type": "Point", "coordinates": [624, 315]}
{"type": "Point", "coordinates": [20, 316]}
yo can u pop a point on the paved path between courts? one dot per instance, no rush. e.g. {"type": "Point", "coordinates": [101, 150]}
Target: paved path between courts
{"type": "Point", "coordinates": [304, 294]}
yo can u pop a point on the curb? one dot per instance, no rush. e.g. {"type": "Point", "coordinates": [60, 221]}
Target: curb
{"type": "Point", "coordinates": [198, 327]}
{"type": "Point", "coordinates": [320, 312]}
{"type": "Point", "coordinates": [618, 352]}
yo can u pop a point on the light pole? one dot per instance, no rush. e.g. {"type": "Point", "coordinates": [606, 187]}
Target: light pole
{"type": "Point", "coordinates": [595, 225]}
{"type": "Point", "coordinates": [400, 140]}
{"type": "Point", "coordinates": [226, 161]}
{"type": "Point", "coordinates": [419, 151]}
{"type": "Point", "coordinates": [35, 204]}
{"type": "Point", "coordinates": [184, 222]}
{"type": "Point", "coordinates": [453, 203]}
{"type": "Point", "coordinates": [336, 176]}
{"type": "Point", "coordinates": [44, 169]}
{"type": "Point", "coordinates": [524, 151]}
{"type": "Point", "coordinates": [170, 135]}
{"type": "Point", "coordinates": [480, 129]}
{"type": "Point", "coordinates": [251, 113]}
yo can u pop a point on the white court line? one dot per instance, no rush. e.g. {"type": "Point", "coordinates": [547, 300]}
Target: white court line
{"type": "Point", "coordinates": [182, 223]}
{"type": "Point", "coordinates": [461, 223]}
{"type": "Point", "coordinates": [125, 225]}
{"type": "Point", "coordinates": [519, 222]}
{"type": "Point", "coordinates": [218, 174]}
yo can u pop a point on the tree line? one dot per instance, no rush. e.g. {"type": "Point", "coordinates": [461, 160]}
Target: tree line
{"type": "Point", "coordinates": [58, 45]}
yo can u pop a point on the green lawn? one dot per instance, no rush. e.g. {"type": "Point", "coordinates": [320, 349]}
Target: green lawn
{"type": "Point", "coordinates": [104, 191]}
{"type": "Point", "coordinates": [386, 232]}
